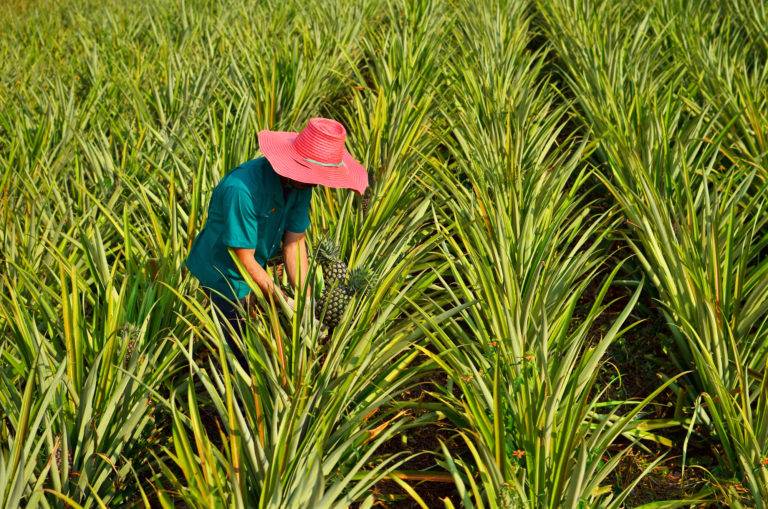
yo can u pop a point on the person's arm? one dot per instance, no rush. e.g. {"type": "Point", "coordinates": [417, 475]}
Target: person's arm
{"type": "Point", "coordinates": [240, 234]}
{"type": "Point", "coordinates": [295, 259]}
{"type": "Point", "coordinates": [256, 271]}
{"type": "Point", "coordinates": [295, 243]}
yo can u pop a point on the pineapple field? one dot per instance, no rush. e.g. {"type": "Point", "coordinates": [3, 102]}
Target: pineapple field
{"type": "Point", "coordinates": [554, 293]}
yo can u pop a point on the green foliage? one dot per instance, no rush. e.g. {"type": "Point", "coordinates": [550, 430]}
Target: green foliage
{"type": "Point", "coordinates": [513, 148]}
{"type": "Point", "coordinates": [682, 142]}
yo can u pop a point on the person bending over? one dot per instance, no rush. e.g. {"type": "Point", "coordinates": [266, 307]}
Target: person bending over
{"type": "Point", "coordinates": [262, 207]}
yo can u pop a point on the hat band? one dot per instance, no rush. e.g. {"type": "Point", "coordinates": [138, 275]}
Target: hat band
{"type": "Point", "coordinates": [331, 165]}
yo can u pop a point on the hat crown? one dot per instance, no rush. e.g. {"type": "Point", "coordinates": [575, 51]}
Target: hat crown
{"type": "Point", "coordinates": [321, 141]}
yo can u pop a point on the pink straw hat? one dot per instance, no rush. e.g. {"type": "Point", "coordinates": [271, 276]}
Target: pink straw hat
{"type": "Point", "coordinates": [316, 155]}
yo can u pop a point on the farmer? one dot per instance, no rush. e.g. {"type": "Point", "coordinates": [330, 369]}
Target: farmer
{"type": "Point", "coordinates": [262, 206]}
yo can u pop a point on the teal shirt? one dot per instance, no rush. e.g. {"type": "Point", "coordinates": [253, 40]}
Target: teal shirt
{"type": "Point", "coordinates": [248, 209]}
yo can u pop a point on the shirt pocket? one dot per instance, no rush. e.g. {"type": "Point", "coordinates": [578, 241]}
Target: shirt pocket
{"type": "Point", "coordinates": [268, 219]}
{"type": "Point", "coordinates": [269, 230]}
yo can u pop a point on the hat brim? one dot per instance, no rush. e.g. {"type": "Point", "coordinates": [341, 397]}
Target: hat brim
{"type": "Point", "coordinates": [277, 147]}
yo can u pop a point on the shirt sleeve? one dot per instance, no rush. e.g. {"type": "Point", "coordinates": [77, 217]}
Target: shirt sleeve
{"type": "Point", "coordinates": [298, 217]}
{"type": "Point", "coordinates": [240, 219]}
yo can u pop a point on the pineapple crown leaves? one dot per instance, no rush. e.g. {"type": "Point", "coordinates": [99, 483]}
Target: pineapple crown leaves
{"type": "Point", "coordinates": [360, 279]}
{"type": "Point", "coordinates": [327, 250]}
{"type": "Point", "coordinates": [334, 269]}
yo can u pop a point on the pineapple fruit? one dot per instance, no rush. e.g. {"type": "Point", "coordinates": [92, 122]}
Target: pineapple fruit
{"type": "Point", "coordinates": [334, 269]}
{"type": "Point", "coordinates": [339, 288]}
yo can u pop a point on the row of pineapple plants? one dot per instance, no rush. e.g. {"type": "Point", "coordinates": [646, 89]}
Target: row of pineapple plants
{"type": "Point", "coordinates": [354, 368]}
{"type": "Point", "coordinates": [524, 243]}
{"type": "Point", "coordinates": [675, 96]}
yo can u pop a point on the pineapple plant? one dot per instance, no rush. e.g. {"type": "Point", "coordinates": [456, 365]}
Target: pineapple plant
{"type": "Point", "coordinates": [338, 290]}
